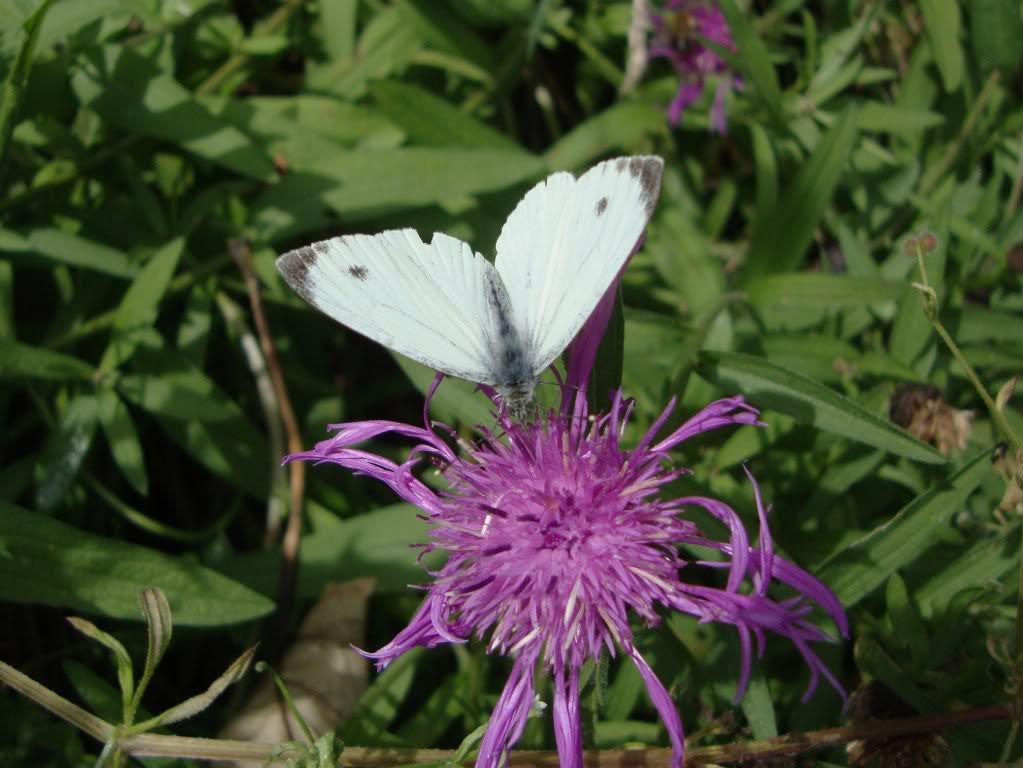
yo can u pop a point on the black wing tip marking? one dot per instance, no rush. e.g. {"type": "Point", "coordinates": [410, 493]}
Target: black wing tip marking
{"type": "Point", "coordinates": [601, 206]}
{"type": "Point", "coordinates": [648, 169]}
{"type": "Point", "coordinates": [294, 267]}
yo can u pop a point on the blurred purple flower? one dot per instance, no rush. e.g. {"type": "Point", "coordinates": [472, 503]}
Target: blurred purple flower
{"type": "Point", "coordinates": [679, 33]}
{"type": "Point", "coordinates": [555, 535]}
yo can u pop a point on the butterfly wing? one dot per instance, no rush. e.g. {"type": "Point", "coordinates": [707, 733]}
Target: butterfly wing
{"type": "Point", "coordinates": [438, 302]}
{"type": "Point", "coordinates": [565, 243]}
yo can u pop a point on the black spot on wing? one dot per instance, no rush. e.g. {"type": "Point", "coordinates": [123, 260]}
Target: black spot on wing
{"type": "Point", "coordinates": [601, 206]}
{"type": "Point", "coordinates": [359, 272]}
{"type": "Point", "coordinates": [648, 171]}
{"type": "Point", "coordinates": [294, 267]}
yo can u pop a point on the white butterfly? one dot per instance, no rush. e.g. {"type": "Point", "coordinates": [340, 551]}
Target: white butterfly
{"type": "Point", "coordinates": [500, 324]}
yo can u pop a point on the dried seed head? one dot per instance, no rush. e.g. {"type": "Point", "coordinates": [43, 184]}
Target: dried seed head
{"type": "Point", "coordinates": [922, 411]}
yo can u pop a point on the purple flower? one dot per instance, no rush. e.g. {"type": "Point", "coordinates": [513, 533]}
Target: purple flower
{"type": "Point", "coordinates": [556, 538]}
{"type": "Point", "coordinates": [678, 36]}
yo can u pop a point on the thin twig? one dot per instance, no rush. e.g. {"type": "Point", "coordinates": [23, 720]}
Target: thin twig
{"type": "Point", "coordinates": [241, 253]}
{"type": "Point", "coordinates": [153, 745]}
{"type": "Point", "coordinates": [271, 413]}
{"type": "Point", "coordinates": [636, 56]}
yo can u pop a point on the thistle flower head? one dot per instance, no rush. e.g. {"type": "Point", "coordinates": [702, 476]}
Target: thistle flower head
{"type": "Point", "coordinates": [558, 542]}
{"type": "Point", "coordinates": [681, 32]}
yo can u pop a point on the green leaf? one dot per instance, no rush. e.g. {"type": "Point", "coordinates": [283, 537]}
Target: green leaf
{"type": "Point", "coordinates": [229, 449]}
{"type": "Point", "coordinates": [981, 565]}
{"type": "Point", "coordinates": [443, 31]}
{"type": "Point", "coordinates": [780, 238]}
{"type": "Point", "coordinates": [770, 386]}
{"type": "Point", "coordinates": [432, 121]}
{"type": "Point", "coordinates": [386, 46]}
{"type": "Point", "coordinates": [869, 562]}
{"type": "Point", "coordinates": [944, 24]}
{"type": "Point", "coordinates": [17, 78]}
{"type": "Point", "coordinates": [159, 627]}
{"type": "Point", "coordinates": [75, 251]}
{"type": "Point", "coordinates": [970, 325]}
{"type": "Point", "coordinates": [905, 618]}
{"type": "Point", "coordinates": [996, 27]}
{"type": "Point", "coordinates": [45, 562]}
{"type": "Point", "coordinates": [125, 675]}
{"type": "Point", "coordinates": [363, 183]}
{"type": "Point", "coordinates": [338, 19]}
{"type": "Point", "coordinates": [816, 289]}
{"type": "Point", "coordinates": [616, 128]}
{"type": "Point", "coordinates": [139, 307]}
{"type": "Point", "coordinates": [887, 118]}
{"type": "Point", "coordinates": [758, 708]}
{"type": "Point", "coordinates": [20, 361]}
{"type": "Point", "coordinates": [379, 703]}
{"type": "Point", "coordinates": [754, 59]}
{"type": "Point", "coordinates": [65, 450]}
{"type": "Point", "coordinates": [131, 92]}
{"type": "Point", "coordinates": [373, 544]}
{"type": "Point", "coordinates": [123, 439]}
{"type": "Point", "coordinates": [179, 391]}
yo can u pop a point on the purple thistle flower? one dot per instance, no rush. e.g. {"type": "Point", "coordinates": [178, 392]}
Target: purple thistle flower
{"type": "Point", "coordinates": [556, 537]}
{"type": "Point", "coordinates": [678, 36]}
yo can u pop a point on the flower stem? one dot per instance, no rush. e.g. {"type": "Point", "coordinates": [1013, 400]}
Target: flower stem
{"type": "Point", "coordinates": [930, 303]}
{"type": "Point", "coordinates": [930, 306]}
{"type": "Point", "coordinates": [153, 745]}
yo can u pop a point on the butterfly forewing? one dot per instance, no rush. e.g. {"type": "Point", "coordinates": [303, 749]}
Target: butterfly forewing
{"type": "Point", "coordinates": [433, 302]}
{"type": "Point", "coordinates": [564, 244]}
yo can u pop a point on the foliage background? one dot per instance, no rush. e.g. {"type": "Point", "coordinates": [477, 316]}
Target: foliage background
{"type": "Point", "coordinates": [134, 448]}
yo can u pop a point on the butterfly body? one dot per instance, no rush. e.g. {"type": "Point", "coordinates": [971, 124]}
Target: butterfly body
{"type": "Point", "coordinates": [499, 324]}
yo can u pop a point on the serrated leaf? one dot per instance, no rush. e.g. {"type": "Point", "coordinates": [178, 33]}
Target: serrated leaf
{"type": "Point", "coordinates": [781, 236]}
{"type": "Point", "coordinates": [123, 439]}
{"type": "Point", "coordinates": [20, 361]}
{"type": "Point", "coordinates": [131, 92]}
{"type": "Point", "coordinates": [770, 386]}
{"type": "Point", "coordinates": [45, 562]}
{"type": "Point", "coordinates": [858, 570]}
